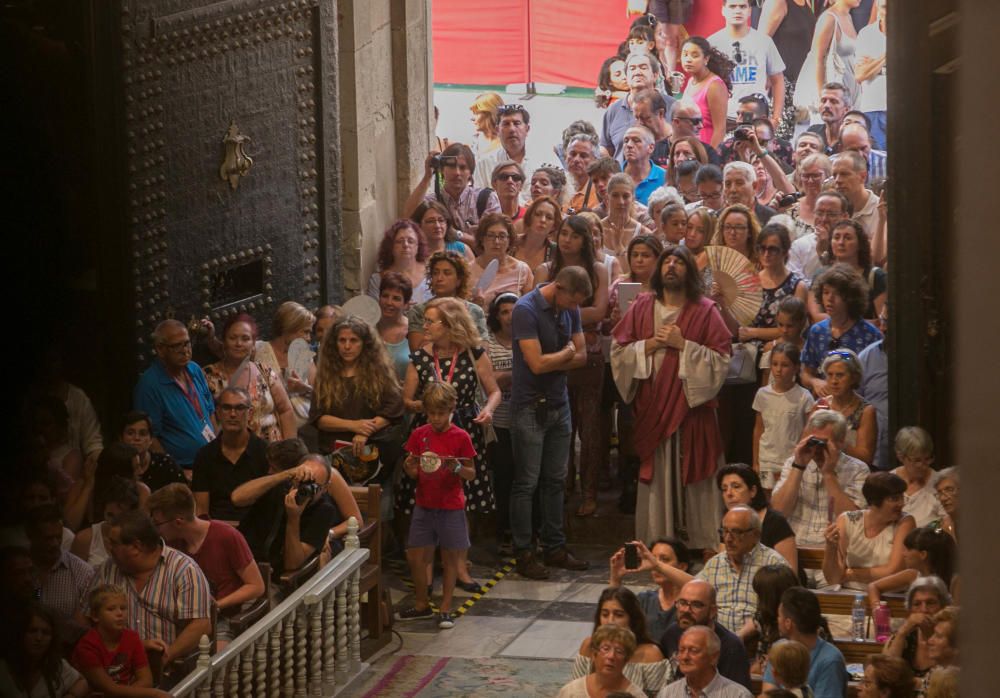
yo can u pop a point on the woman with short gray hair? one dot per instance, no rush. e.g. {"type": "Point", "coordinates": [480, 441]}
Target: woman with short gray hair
{"type": "Point", "coordinates": [843, 376]}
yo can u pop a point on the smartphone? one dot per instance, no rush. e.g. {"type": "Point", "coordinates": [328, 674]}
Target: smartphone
{"type": "Point", "coordinates": [631, 556]}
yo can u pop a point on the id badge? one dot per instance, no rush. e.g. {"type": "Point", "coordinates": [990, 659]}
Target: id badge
{"type": "Point", "coordinates": [207, 433]}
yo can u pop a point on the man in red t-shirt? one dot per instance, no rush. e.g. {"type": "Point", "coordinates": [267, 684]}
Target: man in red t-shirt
{"type": "Point", "coordinates": [440, 457]}
{"type": "Point", "coordinates": [218, 548]}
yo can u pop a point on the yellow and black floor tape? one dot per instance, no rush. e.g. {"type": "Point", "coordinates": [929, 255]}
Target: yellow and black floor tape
{"type": "Point", "coordinates": [402, 570]}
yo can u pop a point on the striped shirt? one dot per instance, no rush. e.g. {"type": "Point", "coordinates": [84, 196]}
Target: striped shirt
{"type": "Point", "coordinates": [737, 600]}
{"type": "Point", "coordinates": [175, 591]}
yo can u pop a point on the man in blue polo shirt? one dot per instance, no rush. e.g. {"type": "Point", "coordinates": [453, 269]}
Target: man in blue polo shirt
{"type": "Point", "coordinates": [174, 394]}
{"type": "Point", "coordinates": [637, 148]}
{"type": "Point", "coordinates": [548, 341]}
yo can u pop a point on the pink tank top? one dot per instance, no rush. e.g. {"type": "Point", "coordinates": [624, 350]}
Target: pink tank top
{"type": "Point", "coordinates": [701, 99]}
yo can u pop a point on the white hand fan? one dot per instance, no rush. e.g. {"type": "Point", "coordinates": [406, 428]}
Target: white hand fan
{"type": "Point", "coordinates": [364, 307]}
{"type": "Point", "coordinates": [738, 280]}
{"type": "Point", "coordinates": [300, 358]}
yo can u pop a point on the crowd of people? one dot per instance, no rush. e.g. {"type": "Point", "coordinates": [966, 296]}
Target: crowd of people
{"type": "Point", "coordinates": [547, 323]}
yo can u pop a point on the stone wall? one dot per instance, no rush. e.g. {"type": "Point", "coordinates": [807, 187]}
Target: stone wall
{"type": "Point", "coordinates": [385, 112]}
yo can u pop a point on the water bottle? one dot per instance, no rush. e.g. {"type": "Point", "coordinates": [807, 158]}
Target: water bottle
{"type": "Point", "coordinates": [858, 618]}
{"type": "Point", "coordinates": [883, 620]}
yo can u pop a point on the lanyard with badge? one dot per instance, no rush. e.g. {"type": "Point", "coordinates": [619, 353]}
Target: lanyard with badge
{"type": "Point", "coordinates": [191, 395]}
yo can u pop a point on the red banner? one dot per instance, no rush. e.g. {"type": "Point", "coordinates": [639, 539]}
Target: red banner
{"type": "Point", "coordinates": [550, 41]}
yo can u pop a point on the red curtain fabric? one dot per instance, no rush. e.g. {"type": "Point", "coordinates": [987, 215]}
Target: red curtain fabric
{"type": "Point", "coordinates": [553, 41]}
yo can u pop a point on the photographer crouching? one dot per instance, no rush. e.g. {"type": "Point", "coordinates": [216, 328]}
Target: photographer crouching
{"type": "Point", "coordinates": [295, 513]}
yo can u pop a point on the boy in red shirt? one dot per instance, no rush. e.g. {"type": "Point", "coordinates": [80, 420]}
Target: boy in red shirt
{"type": "Point", "coordinates": [111, 656]}
{"type": "Point", "coordinates": [440, 457]}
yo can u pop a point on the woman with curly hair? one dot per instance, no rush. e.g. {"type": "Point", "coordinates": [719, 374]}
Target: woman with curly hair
{"type": "Point", "coordinates": [404, 250]}
{"type": "Point", "coordinates": [448, 277]}
{"type": "Point", "coordinates": [708, 86]}
{"type": "Point", "coordinates": [549, 180]}
{"type": "Point", "coordinates": [452, 352]}
{"type": "Point", "coordinates": [356, 394]}
{"type": "Point", "coordinates": [850, 245]}
{"type": "Point", "coordinates": [646, 668]}
{"type": "Point", "coordinates": [843, 296]}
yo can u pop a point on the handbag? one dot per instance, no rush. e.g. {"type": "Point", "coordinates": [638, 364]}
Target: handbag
{"type": "Point", "coordinates": [743, 365]}
{"type": "Point", "coordinates": [489, 433]}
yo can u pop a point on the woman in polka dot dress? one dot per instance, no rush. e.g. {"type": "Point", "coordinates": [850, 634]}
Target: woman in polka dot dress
{"type": "Point", "coordinates": [453, 353]}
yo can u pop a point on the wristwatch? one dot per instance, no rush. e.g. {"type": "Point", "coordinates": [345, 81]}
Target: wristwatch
{"type": "Point", "coordinates": [458, 466]}
{"type": "Point", "coordinates": [797, 466]}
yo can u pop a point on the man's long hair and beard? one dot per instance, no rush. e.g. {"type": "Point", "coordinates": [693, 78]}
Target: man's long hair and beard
{"type": "Point", "coordinates": [373, 376]}
{"type": "Point", "coordinates": [691, 284]}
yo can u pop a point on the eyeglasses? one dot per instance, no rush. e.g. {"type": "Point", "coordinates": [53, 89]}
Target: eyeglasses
{"type": "Point", "coordinates": [693, 605]}
{"type": "Point", "coordinates": [735, 228]}
{"type": "Point", "coordinates": [234, 408]}
{"type": "Point", "coordinates": [435, 221]}
{"type": "Point", "coordinates": [812, 177]}
{"type": "Point", "coordinates": [612, 649]}
{"type": "Point", "coordinates": [428, 323]}
{"type": "Point", "coordinates": [496, 237]}
{"type": "Point", "coordinates": [769, 249]}
{"type": "Point", "coordinates": [946, 492]}
{"type": "Point", "coordinates": [694, 120]}
{"type": "Point", "coordinates": [734, 532]}
{"type": "Point", "coordinates": [178, 346]}
{"type": "Point", "coordinates": [509, 177]}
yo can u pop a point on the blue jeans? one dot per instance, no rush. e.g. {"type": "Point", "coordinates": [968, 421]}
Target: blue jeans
{"type": "Point", "coordinates": [541, 452]}
{"type": "Point", "coordinates": [878, 119]}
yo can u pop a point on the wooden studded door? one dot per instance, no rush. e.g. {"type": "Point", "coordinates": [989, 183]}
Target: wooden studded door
{"type": "Point", "coordinates": [230, 158]}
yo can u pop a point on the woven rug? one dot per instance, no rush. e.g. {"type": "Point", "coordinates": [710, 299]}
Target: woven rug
{"type": "Point", "coordinates": [435, 677]}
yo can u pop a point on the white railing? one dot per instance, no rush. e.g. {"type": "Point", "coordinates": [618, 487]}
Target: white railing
{"type": "Point", "coordinates": [308, 645]}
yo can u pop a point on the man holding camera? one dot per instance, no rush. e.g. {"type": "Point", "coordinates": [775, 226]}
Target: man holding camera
{"type": "Point", "coordinates": [291, 516]}
{"type": "Point", "coordinates": [819, 482]}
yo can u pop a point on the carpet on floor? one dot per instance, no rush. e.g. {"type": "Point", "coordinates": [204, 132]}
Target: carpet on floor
{"type": "Point", "coordinates": [413, 676]}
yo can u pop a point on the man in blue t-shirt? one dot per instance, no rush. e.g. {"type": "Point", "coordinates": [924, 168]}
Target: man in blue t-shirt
{"type": "Point", "coordinates": [799, 619]}
{"type": "Point", "coordinates": [175, 395]}
{"type": "Point", "coordinates": [548, 341]}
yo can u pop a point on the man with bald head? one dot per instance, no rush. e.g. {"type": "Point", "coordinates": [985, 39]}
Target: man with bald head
{"type": "Point", "coordinates": [637, 147]}
{"type": "Point", "coordinates": [855, 136]}
{"type": "Point", "coordinates": [696, 606]}
{"type": "Point", "coordinates": [698, 658]}
{"type": "Point", "coordinates": [173, 392]}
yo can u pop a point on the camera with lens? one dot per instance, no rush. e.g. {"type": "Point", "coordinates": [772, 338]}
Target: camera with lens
{"type": "Point", "coordinates": [815, 442]}
{"type": "Point", "coordinates": [440, 161]}
{"type": "Point", "coordinates": [742, 132]}
{"type": "Point", "coordinates": [306, 491]}
{"type": "Point", "coordinates": [789, 199]}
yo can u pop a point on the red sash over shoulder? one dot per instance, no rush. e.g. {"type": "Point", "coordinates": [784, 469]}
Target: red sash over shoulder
{"type": "Point", "coordinates": [660, 405]}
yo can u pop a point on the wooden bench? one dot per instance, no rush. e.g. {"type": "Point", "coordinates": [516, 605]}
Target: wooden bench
{"type": "Point", "coordinates": [811, 557]}
{"type": "Point", "coordinates": [840, 603]}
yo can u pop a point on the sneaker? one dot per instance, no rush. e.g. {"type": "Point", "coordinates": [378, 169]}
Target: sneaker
{"type": "Point", "coordinates": [446, 620]}
{"type": "Point", "coordinates": [414, 613]}
{"type": "Point", "coordinates": [566, 560]}
{"type": "Point", "coordinates": [528, 566]}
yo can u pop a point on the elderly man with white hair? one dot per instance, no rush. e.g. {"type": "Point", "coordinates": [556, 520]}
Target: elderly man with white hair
{"type": "Point", "coordinates": [697, 657]}
{"type": "Point", "coordinates": [582, 151]}
{"type": "Point", "coordinates": [731, 572]}
{"type": "Point", "coordinates": [819, 481]}
{"type": "Point", "coordinates": [637, 147]}
{"type": "Point", "coordinates": [175, 395]}
{"type": "Point", "coordinates": [738, 180]}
